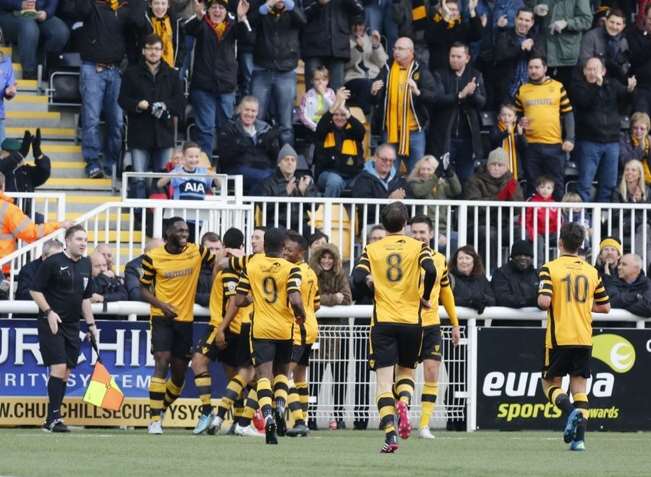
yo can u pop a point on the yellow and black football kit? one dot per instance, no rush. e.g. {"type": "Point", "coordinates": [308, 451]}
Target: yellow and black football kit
{"type": "Point", "coordinates": [306, 334]}
{"type": "Point", "coordinates": [395, 264]}
{"type": "Point", "coordinates": [574, 286]}
{"type": "Point", "coordinates": [442, 291]}
{"type": "Point", "coordinates": [543, 103]}
{"type": "Point", "coordinates": [270, 281]}
{"type": "Point", "coordinates": [174, 277]}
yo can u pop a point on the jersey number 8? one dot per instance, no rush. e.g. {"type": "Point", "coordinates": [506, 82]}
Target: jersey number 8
{"type": "Point", "coordinates": [394, 270]}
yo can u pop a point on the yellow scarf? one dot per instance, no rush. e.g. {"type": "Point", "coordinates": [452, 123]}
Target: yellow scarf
{"type": "Point", "coordinates": [348, 146]}
{"type": "Point", "coordinates": [400, 119]}
{"type": "Point", "coordinates": [218, 28]}
{"type": "Point", "coordinates": [450, 23]}
{"type": "Point", "coordinates": [163, 28]}
{"type": "Point", "coordinates": [509, 146]}
{"type": "Point", "coordinates": [645, 146]}
{"type": "Point", "coordinates": [113, 4]}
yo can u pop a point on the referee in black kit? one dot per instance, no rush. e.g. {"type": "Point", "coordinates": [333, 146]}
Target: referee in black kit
{"type": "Point", "coordinates": [62, 291]}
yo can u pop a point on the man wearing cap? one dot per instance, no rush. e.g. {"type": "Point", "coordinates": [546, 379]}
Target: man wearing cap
{"type": "Point", "coordinates": [610, 253]}
{"type": "Point", "coordinates": [284, 183]}
{"type": "Point", "coordinates": [493, 183]}
{"type": "Point", "coordinates": [515, 284]}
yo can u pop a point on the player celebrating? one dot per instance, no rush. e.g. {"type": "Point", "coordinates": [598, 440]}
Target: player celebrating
{"type": "Point", "coordinates": [570, 289]}
{"type": "Point", "coordinates": [274, 284]}
{"type": "Point", "coordinates": [173, 272]}
{"type": "Point", "coordinates": [305, 335]}
{"type": "Point", "coordinates": [430, 355]}
{"type": "Point", "coordinates": [392, 266]}
{"type": "Point", "coordinates": [221, 297]}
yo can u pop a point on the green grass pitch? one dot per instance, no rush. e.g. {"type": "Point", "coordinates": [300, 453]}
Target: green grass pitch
{"type": "Point", "coordinates": [113, 452]}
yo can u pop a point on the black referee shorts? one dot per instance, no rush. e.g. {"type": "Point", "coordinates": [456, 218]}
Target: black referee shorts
{"type": "Point", "coordinates": [394, 343]}
{"type": "Point", "coordinates": [431, 348]}
{"type": "Point", "coordinates": [171, 336]}
{"type": "Point", "coordinates": [61, 348]}
{"type": "Point", "coordinates": [571, 360]}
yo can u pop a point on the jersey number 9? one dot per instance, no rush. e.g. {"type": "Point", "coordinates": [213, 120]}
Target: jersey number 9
{"type": "Point", "coordinates": [394, 270]}
{"type": "Point", "coordinates": [270, 290]}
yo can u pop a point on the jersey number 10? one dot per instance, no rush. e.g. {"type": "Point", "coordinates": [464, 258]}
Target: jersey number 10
{"type": "Point", "coordinates": [576, 290]}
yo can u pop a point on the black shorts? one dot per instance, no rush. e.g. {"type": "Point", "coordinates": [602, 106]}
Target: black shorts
{"type": "Point", "coordinates": [207, 347]}
{"type": "Point", "coordinates": [394, 343]}
{"type": "Point", "coordinates": [562, 361]}
{"type": "Point", "coordinates": [431, 348]}
{"type": "Point", "coordinates": [301, 354]}
{"type": "Point", "coordinates": [238, 348]}
{"type": "Point", "coordinates": [62, 348]}
{"type": "Point", "coordinates": [276, 351]}
{"type": "Point", "coordinates": [172, 336]}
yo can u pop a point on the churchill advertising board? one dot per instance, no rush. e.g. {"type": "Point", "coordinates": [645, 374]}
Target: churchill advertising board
{"type": "Point", "coordinates": [510, 396]}
{"type": "Point", "coordinates": [125, 347]}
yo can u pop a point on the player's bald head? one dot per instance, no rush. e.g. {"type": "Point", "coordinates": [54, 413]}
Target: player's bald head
{"type": "Point", "coordinates": [394, 217]}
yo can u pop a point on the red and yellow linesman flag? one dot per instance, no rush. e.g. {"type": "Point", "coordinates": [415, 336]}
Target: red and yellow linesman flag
{"type": "Point", "coordinates": [103, 391]}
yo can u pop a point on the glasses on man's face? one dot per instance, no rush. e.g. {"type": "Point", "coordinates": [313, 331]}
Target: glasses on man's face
{"type": "Point", "coordinates": [386, 159]}
{"type": "Point", "coordinates": [153, 48]}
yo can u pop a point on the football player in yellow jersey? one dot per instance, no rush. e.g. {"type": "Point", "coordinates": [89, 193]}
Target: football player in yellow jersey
{"type": "Point", "coordinates": [305, 335]}
{"type": "Point", "coordinates": [570, 290]}
{"type": "Point", "coordinates": [172, 270]}
{"type": "Point", "coordinates": [430, 355]}
{"type": "Point", "coordinates": [234, 334]}
{"type": "Point", "coordinates": [392, 266]}
{"type": "Point", "coordinates": [274, 284]}
{"type": "Point", "coordinates": [208, 349]}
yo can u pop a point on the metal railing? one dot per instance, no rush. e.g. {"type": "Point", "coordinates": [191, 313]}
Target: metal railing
{"type": "Point", "coordinates": [343, 388]}
{"type": "Point", "coordinates": [230, 187]}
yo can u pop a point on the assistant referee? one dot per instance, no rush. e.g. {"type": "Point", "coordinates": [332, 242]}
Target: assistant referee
{"type": "Point", "coordinates": [62, 291]}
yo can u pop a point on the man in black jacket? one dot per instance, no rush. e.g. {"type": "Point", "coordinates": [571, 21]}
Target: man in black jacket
{"type": "Point", "coordinates": [285, 183]}
{"type": "Point", "coordinates": [596, 99]}
{"type": "Point", "coordinates": [326, 37]}
{"type": "Point", "coordinates": [28, 273]}
{"type": "Point", "coordinates": [339, 152]}
{"type": "Point", "coordinates": [513, 47]}
{"type": "Point", "coordinates": [380, 180]}
{"type": "Point", "coordinates": [632, 290]}
{"type": "Point", "coordinates": [248, 146]}
{"type": "Point", "coordinates": [152, 96]}
{"type": "Point", "coordinates": [456, 127]}
{"type": "Point", "coordinates": [105, 288]}
{"type": "Point", "coordinates": [214, 76]}
{"type": "Point", "coordinates": [515, 284]}
{"type": "Point", "coordinates": [639, 42]}
{"type": "Point", "coordinates": [277, 25]}
{"type": "Point", "coordinates": [404, 79]}
{"type": "Point", "coordinates": [133, 271]}
{"type": "Point", "coordinates": [102, 50]}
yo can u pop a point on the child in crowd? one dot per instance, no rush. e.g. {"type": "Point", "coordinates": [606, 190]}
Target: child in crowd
{"type": "Point", "coordinates": [540, 222]}
{"type": "Point", "coordinates": [317, 100]}
{"type": "Point", "coordinates": [580, 215]}
{"type": "Point", "coordinates": [509, 135]}
{"type": "Point", "coordinates": [426, 184]}
{"type": "Point", "coordinates": [8, 88]}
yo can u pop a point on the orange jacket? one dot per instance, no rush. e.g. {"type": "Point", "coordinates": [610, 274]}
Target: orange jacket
{"type": "Point", "coordinates": [14, 224]}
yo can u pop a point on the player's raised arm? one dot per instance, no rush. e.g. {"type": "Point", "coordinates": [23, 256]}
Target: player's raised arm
{"type": "Point", "coordinates": [361, 271]}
